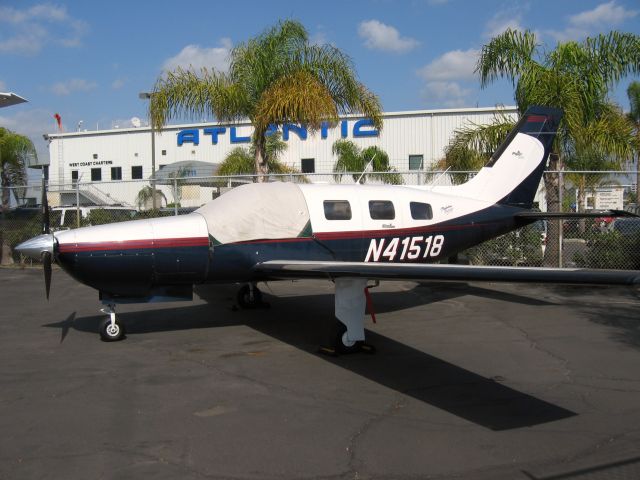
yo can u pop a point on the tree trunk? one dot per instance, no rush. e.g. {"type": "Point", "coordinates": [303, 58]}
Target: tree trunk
{"type": "Point", "coordinates": [5, 191]}
{"type": "Point", "coordinates": [552, 184]}
{"type": "Point", "coordinates": [638, 178]}
{"type": "Point", "coordinates": [260, 157]}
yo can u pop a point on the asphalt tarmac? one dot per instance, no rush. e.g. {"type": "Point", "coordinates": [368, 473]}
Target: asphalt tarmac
{"type": "Point", "coordinates": [478, 381]}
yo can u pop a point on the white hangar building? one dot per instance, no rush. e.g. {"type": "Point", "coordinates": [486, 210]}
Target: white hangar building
{"type": "Point", "coordinates": [112, 158]}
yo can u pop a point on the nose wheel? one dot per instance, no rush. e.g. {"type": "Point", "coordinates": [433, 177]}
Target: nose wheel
{"type": "Point", "coordinates": [111, 330]}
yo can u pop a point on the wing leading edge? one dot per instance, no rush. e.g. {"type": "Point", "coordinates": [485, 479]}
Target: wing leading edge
{"type": "Point", "coordinates": [276, 269]}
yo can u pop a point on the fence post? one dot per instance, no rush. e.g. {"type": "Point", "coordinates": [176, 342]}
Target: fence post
{"type": "Point", "coordinates": [78, 204]}
{"type": "Point", "coordinates": [560, 201]}
{"type": "Point", "coordinates": [175, 199]}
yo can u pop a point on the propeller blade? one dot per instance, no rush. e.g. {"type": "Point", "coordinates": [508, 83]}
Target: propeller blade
{"type": "Point", "coordinates": [45, 206]}
{"type": "Point", "coordinates": [46, 262]}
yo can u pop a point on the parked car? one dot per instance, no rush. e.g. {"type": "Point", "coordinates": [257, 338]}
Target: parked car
{"type": "Point", "coordinates": [627, 226]}
{"type": "Point", "coordinates": [66, 217]}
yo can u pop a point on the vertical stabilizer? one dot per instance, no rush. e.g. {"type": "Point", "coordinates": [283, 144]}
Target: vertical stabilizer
{"type": "Point", "coordinates": [542, 124]}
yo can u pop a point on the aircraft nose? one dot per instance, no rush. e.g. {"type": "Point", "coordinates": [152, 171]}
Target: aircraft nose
{"type": "Point", "coordinates": [34, 247]}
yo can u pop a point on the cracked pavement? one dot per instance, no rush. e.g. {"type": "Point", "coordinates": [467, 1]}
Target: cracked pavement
{"type": "Point", "coordinates": [480, 381]}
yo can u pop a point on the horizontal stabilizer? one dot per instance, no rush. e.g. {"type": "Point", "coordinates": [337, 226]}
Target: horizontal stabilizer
{"type": "Point", "coordinates": [570, 215]}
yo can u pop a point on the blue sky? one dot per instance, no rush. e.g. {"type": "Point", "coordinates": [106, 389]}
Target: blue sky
{"type": "Point", "coordinates": [88, 61]}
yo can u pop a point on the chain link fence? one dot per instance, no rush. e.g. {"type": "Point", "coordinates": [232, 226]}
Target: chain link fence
{"type": "Point", "coordinates": [600, 242]}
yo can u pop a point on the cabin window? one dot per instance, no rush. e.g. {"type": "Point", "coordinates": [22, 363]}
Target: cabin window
{"type": "Point", "coordinates": [74, 176]}
{"type": "Point", "coordinates": [381, 210]}
{"type": "Point", "coordinates": [421, 211]}
{"type": "Point", "coordinates": [96, 174]}
{"type": "Point", "coordinates": [136, 172]}
{"type": "Point", "coordinates": [337, 210]}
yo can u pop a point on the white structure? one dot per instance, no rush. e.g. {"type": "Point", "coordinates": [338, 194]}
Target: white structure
{"type": "Point", "coordinates": [413, 140]}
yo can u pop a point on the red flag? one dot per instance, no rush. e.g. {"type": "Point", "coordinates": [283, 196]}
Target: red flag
{"type": "Point", "coordinates": [58, 120]}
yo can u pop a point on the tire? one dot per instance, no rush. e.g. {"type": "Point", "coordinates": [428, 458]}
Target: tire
{"type": "Point", "coordinates": [109, 333]}
{"type": "Point", "coordinates": [342, 345]}
{"type": "Point", "coordinates": [244, 297]}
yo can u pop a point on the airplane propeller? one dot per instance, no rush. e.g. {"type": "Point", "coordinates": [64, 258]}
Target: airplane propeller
{"type": "Point", "coordinates": [42, 246]}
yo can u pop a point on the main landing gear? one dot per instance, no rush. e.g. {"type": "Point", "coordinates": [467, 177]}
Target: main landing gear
{"type": "Point", "coordinates": [347, 332]}
{"type": "Point", "coordinates": [111, 330]}
{"type": "Point", "coordinates": [249, 297]}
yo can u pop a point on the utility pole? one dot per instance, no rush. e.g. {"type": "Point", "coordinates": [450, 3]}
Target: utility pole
{"type": "Point", "coordinates": [147, 96]}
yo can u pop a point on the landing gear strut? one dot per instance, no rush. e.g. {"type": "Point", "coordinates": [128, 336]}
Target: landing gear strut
{"type": "Point", "coordinates": [111, 330]}
{"type": "Point", "coordinates": [347, 332]}
{"type": "Point", "coordinates": [249, 297]}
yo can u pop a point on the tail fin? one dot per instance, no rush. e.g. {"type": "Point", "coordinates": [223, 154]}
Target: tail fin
{"type": "Point", "coordinates": [542, 124]}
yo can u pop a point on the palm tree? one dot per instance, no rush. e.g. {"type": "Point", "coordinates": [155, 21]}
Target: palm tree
{"type": "Point", "coordinates": [576, 77]}
{"type": "Point", "coordinates": [145, 195]}
{"type": "Point", "coordinates": [633, 92]}
{"type": "Point", "coordinates": [240, 160]}
{"type": "Point", "coordinates": [14, 151]}
{"type": "Point", "coordinates": [472, 146]}
{"type": "Point", "coordinates": [276, 77]}
{"type": "Point", "coordinates": [353, 160]}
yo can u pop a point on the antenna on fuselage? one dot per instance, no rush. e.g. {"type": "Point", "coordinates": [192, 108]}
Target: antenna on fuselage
{"type": "Point", "coordinates": [367, 166]}
{"type": "Point", "coordinates": [433, 184]}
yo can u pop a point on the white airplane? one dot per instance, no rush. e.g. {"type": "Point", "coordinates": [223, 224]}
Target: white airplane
{"type": "Point", "coordinates": [349, 234]}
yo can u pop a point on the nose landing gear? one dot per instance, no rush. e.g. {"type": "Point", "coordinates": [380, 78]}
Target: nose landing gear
{"type": "Point", "coordinates": [111, 330]}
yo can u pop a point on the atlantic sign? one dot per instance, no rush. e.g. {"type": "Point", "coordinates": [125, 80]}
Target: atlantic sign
{"type": "Point", "coordinates": [361, 128]}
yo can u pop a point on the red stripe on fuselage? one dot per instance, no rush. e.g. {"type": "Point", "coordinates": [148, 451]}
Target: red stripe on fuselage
{"type": "Point", "coordinates": [134, 244]}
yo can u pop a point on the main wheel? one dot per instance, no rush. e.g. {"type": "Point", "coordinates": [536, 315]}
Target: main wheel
{"type": "Point", "coordinates": [109, 332]}
{"type": "Point", "coordinates": [245, 300]}
{"type": "Point", "coordinates": [341, 340]}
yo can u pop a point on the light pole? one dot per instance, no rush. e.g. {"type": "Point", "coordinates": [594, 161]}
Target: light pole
{"type": "Point", "coordinates": [147, 96]}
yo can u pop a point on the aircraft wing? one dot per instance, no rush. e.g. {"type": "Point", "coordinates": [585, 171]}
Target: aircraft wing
{"type": "Point", "coordinates": [277, 269]}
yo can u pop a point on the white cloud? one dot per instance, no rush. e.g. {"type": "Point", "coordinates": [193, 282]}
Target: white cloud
{"type": "Point", "coordinates": [500, 22]}
{"type": "Point", "coordinates": [453, 65]}
{"type": "Point", "coordinates": [446, 94]}
{"type": "Point", "coordinates": [378, 36]}
{"type": "Point", "coordinates": [605, 14]}
{"type": "Point", "coordinates": [318, 38]}
{"type": "Point", "coordinates": [197, 57]}
{"type": "Point", "coordinates": [603, 17]}
{"type": "Point", "coordinates": [29, 30]}
{"type": "Point", "coordinates": [73, 85]}
{"type": "Point", "coordinates": [445, 77]}
{"type": "Point", "coordinates": [127, 122]}
{"type": "Point", "coordinates": [118, 83]}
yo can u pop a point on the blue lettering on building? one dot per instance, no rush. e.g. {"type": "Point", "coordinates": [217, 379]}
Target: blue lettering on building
{"type": "Point", "coordinates": [361, 129]}
{"type": "Point", "coordinates": [214, 132]}
{"type": "Point", "coordinates": [236, 139]}
{"type": "Point", "coordinates": [190, 136]}
{"type": "Point", "coordinates": [344, 129]}
{"type": "Point", "coordinates": [324, 130]}
{"type": "Point", "coordinates": [365, 122]}
{"type": "Point", "coordinates": [300, 131]}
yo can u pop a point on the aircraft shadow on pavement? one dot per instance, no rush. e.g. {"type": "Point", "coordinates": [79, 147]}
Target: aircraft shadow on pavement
{"type": "Point", "coordinates": [302, 322]}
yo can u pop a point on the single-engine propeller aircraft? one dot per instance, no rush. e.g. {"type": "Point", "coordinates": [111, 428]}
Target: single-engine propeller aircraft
{"type": "Point", "coordinates": [350, 234]}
